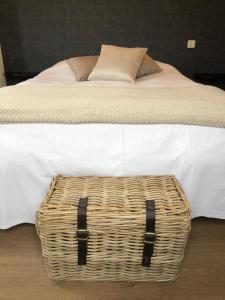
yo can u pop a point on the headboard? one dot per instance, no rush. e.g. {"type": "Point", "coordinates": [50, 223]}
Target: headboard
{"type": "Point", "coordinates": [35, 34]}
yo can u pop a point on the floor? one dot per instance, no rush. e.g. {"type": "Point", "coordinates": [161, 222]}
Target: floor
{"type": "Point", "coordinates": [22, 274]}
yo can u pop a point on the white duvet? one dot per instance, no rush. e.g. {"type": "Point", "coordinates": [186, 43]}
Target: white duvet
{"type": "Point", "coordinates": [31, 154]}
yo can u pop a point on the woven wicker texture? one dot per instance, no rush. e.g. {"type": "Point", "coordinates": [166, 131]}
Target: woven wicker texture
{"type": "Point", "coordinates": [116, 218]}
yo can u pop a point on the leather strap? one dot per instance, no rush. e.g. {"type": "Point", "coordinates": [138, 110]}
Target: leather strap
{"type": "Point", "coordinates": [149, 238]}
{"type": "Point", "coordinates": [82, 232]}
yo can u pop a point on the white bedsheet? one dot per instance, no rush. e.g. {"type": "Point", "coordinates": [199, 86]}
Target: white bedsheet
{"type": "Point", "coordinates": [61, 74]}
{"type": "Point", "coordinates": [31, 154]}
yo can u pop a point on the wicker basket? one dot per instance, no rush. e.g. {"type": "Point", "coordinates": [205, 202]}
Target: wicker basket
{"type": "Point", "coordinates": [116, 217]}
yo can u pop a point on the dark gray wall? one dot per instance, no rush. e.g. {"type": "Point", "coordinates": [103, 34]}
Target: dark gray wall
{"type": "Point", "coordinates": [35, 34]}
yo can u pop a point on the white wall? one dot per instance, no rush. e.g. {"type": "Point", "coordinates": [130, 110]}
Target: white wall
{"type": "Point", "coordinates": [2, 77]}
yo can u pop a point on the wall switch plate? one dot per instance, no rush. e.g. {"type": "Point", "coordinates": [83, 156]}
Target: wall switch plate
{"type": "Point", "coordinates": [191, 43]}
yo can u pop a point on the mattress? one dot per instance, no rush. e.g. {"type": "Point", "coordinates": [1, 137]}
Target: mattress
{"type": "Point", "coordinates": [31, 154]}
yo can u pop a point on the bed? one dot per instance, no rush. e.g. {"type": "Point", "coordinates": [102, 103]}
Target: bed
{"type": "Point", "coordinates": [31, 154]}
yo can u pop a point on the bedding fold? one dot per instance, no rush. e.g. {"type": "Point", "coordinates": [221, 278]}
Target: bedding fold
{"type": "Point", "coordinates": [197, 105]}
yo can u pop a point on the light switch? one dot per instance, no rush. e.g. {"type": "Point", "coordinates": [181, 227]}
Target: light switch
{"type": "Point", "coordinates": [191, 43]}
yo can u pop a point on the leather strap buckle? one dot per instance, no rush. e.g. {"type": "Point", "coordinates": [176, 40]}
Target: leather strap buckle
{"type": "Point", "coordinates": [82, 234]}
{"type": "Point", "coordinates": [149, 238]}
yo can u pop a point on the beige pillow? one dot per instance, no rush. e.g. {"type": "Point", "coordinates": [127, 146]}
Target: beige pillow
{"type": "Point", "coordinates": [148, 66]}
{"type": "Point", "coordinates": [118, 63]}
{"type": "Point", "coordinates": [82, 66]}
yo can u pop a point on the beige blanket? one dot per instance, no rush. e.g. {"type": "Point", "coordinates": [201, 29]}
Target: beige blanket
{"type": "Point", "coordinates": [199, 105]}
